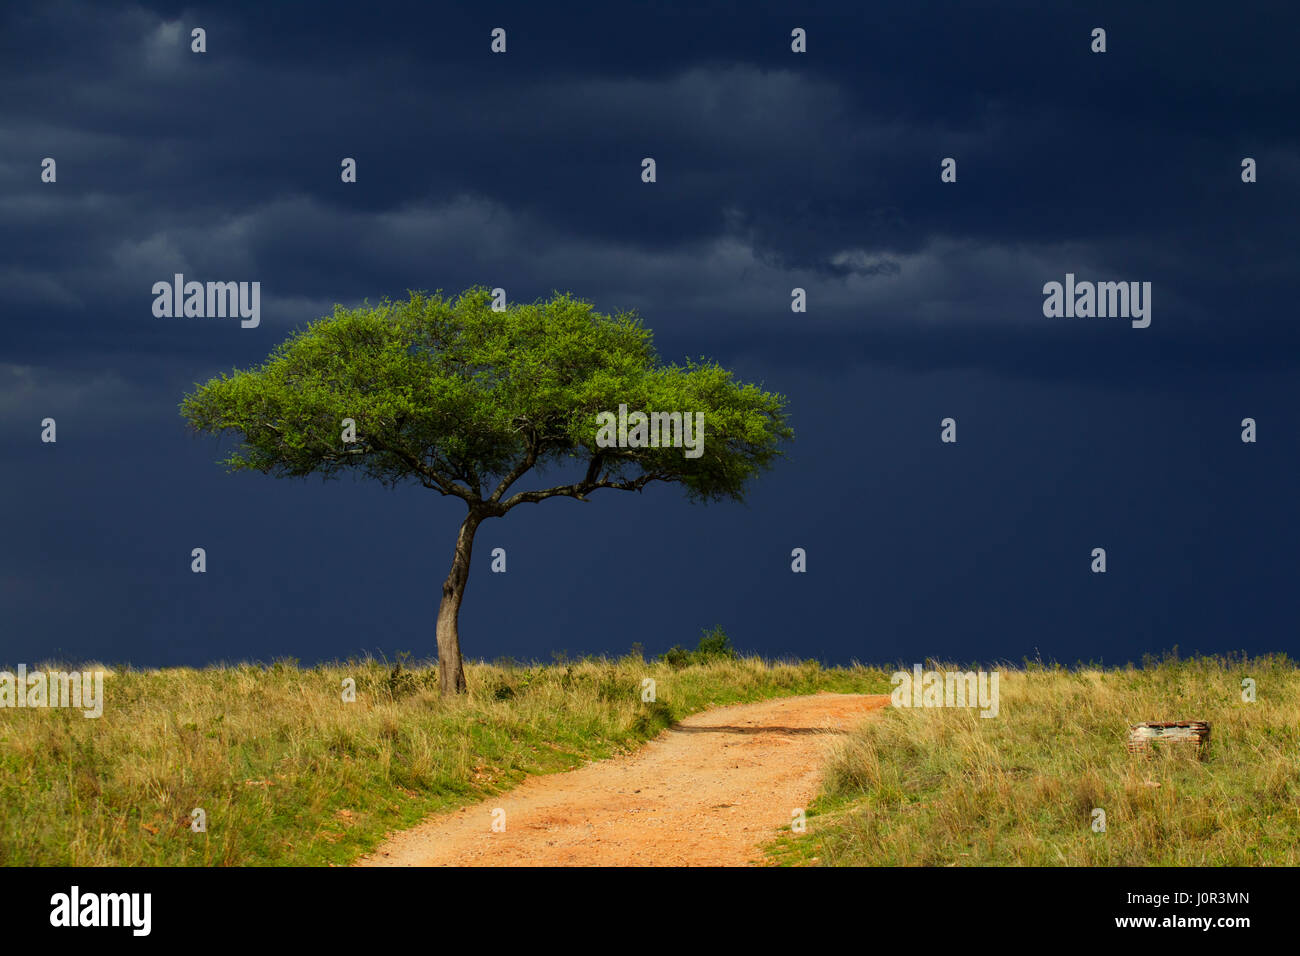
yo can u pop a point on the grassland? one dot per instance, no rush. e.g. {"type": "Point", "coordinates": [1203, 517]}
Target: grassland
{"type": "Point", "coordinates": [939, 787]}
{"type": "Point", "coordinates": [288, 773]}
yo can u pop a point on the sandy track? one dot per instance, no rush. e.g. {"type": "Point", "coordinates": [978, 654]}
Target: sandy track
{"type": "Point", "coordinates": [707, 792]}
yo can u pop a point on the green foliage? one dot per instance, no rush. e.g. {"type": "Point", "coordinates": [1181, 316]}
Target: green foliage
{"type": "Point", "coordinates": [714, 645]}
{"type": "Point", "coordinates": [465, 400]}
{"type": "Point", "coordinates": [676, 657]}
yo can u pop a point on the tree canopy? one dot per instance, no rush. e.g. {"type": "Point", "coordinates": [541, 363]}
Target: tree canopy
{"type": "Point", "coordinates": [467, 400]}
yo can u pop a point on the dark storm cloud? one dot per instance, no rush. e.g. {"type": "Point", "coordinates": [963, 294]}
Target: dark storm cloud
{"type": "Point", "coordinates": [775, 171]}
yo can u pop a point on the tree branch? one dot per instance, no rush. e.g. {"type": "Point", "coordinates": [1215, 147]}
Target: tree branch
{"type": "Point", "coordinates": [427, 475]}
{"type": "Point", "coordinates": [579, 489]}
{"type": "Point", "coordinates": [517, 472]}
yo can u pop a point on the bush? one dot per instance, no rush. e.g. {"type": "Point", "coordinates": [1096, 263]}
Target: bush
{"type": "Point", "coordinates": [676, 657]}
{"type": "Point", "coordinates": [714, 645]}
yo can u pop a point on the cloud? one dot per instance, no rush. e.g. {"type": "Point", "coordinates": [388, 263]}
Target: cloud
{"type": "Point", "coordinates": [775, 171]}
{"type": "Point", "coordinates": [165, 46]}
{"type": "Point", "coordinates": [29, 392]}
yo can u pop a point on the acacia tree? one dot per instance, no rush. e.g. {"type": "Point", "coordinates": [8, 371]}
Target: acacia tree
{"type": "Point", "coordinates": [467, 401]}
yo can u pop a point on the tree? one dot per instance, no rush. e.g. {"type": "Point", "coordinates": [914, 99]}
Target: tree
{"type": "Point", "coordinates": [467, 401]}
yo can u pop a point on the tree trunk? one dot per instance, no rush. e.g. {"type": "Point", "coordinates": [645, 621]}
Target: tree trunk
{"type": "Point", "coordinates": [451, 670]}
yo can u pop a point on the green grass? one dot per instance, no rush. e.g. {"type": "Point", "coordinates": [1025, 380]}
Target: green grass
{"type": "Point", "coordinates": [288, 773]}
{"type": "Point", "coordinates": [939, 787]}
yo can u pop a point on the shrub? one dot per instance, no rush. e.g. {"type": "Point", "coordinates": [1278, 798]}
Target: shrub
{"type": "Point", "coordinates": [714, 645]}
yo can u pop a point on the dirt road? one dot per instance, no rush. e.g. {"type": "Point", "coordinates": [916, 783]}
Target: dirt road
{"type": "Point", "coordinates": [707, 792]}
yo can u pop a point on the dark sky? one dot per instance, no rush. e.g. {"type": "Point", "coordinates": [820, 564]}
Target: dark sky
{"type": "Point", "coordinates": [775, 170]}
